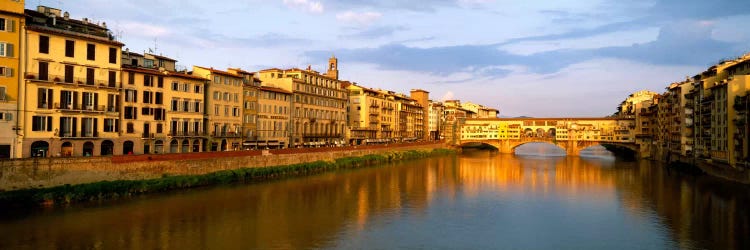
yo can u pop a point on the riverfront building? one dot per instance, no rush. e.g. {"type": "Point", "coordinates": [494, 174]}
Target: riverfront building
{"type": "Point", "coordinates": [319, 103]}
{"type": "Point", "coordinates": [223, 110]}
{"type": "Point", "coordinates": [372, 115]}
{"type": "Point", "coordinates": [72, 85]}
{"type": "Point", "coordinates": [250, 94]}
{"type": "Point", "coordinates": [11, 21]}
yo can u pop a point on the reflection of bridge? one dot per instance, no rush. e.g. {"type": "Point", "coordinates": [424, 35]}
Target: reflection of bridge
{"type": "Point", "coordinates": [571, 134]}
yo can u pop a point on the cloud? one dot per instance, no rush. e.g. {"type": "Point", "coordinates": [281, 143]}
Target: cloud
{"type": "Point", "coordinates": [146, 30]}
{"type": "Point", "coordinates": [447, 96]}
{"type": "Point", "coordinates": [360, 18]}
{"type": "Point", "coordinates": [678, 43]}
{"type": "Point", "coordinates": [307, 5]}
{"type": "Point", "coordinates": [375, 32]}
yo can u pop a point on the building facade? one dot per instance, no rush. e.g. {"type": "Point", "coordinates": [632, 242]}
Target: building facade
{"type": "Point", "coordinates": [223, 110]}
{"type": "Point", "coordinates": [319, 103]}
{"type": "Point", "coordinates": [71, 86]}
{"type": "Point", "coordinates": [11, 21]}
{"type": "Point", "coordinates": [274, 113]}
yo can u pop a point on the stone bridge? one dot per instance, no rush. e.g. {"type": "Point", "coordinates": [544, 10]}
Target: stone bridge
{"type": "Point", "coordinates": [570, 134]}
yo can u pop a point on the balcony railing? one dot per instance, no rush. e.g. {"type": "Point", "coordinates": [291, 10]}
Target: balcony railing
{"type": "Point", "coordinates": [225, 134]}
{"type": "Point", "coordinates": [321, 135]}
{"type": "Point", "coordinates": [186, 133]}
{"type": "Point", "coordinates": [61, 79]}
{"type": "Point", "coordinates": [84, 108]}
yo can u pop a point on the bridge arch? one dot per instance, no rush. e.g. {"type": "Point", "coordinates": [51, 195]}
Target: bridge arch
{"type": "Point", "coordinates": [558, 147]}
{"type": "Point", "coordinates": [618, 149]}
{"type": "Point", "coordinates": [480, 145]}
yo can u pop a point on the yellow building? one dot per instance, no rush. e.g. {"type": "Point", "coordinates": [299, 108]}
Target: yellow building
{"type": "Point", "coordinates": [436, 119]}
{"type": "Point", "coordinates": [319, 115]}
{"type": "Point", "coordinates": [72, 86]}
{"type": "Point", "coordinates": [274, 110]}
{"type": "Point", "coordinates": [371, 115]}
{"type": "Point", "coordinates": [250, 94]}
{"type": "Point", "coordinates": [11, 19]}
{"type": "Point", "coordinates": [223, 108]}
{"type": "Point", "coordinates": [410, 125]}
{"type": "Point", "coordinates": [144, 108]}
{"type": "Point", "coordinates": [186, 130]}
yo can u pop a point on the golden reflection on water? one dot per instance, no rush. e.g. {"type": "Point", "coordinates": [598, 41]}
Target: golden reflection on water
{"type": "Point", "coordinates": [318, 211]}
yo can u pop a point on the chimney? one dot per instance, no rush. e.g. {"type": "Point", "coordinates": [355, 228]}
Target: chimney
{"type": "Point", "coordinates": [66, 15]}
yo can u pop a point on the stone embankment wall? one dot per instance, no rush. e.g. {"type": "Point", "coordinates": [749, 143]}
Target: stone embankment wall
{"type": "Point", "coordinates": [50, 172]}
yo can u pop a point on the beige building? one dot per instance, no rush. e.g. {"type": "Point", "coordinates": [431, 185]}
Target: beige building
{"type": "Point", "coordinates": [250, 94]}
{"type": "Point", "coordinates": [274, 110]}
{"type": "Point", "coordinates": [186, 128]}
{"type": "Point", "coordinates": [11, 21]}
{"type": "Point", "coordinates": [436, 119]}
{"type": "Point", "coordinates": [371, 115]}
{"type": "Point", "coordinates": [223, 108]}
{"type": "Point", "coordinates": [410, 124]}
{"type": "Point", "coordinates": [71, 94]}
{"type": "Point", "coordinates": [144, 108]}
{"type": "Point", "coordinates": [319, 109]}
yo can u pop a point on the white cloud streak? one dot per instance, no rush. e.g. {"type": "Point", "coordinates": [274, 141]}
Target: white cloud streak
{"type": "Point", "coordinates": [306, 5]}
{"type": "Point", "coordinates": [362, 18]}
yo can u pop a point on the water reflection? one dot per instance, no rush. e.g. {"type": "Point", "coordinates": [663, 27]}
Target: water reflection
{"type": "Point", "coordinates": [477, 200]}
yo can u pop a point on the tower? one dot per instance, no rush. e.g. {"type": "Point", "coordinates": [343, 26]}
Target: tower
{"type": "Point", "coordinates": [333, 68]}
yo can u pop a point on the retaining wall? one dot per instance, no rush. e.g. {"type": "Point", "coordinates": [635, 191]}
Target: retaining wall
{"type": "Point", "coordinates": [49, 172]}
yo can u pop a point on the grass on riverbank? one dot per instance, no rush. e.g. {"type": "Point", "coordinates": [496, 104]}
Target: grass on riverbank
{"type": "Point", "coordinates": [105, 190]}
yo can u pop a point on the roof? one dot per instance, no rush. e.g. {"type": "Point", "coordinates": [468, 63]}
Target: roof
{"type": "Point", "coordinates": [185, 76]}
{"type": "Point", "coordinates": [241, 71]}
{"type": "Point", "coordinates": [273, 89]}
{"type": "Point", "coordinates": [161, 57]}
{"type": "Point", "coordinates": [216, 71]}
{"type": "Point", "coordinates": [49, 30]}
{"type": "Point", "coordinates": [130, 68]}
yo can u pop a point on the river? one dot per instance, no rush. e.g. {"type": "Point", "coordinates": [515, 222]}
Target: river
{"type": "Point", "coordinates": [476, 200]}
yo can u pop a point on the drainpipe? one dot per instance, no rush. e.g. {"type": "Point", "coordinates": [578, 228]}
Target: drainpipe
{"type": "Point", "coordinates": [20, 100]}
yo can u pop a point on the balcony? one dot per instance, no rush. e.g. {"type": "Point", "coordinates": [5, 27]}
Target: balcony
{"type": "Point", "coordinates": [186, 133]}
{"type": "Point", "coordinates": [83, 134]}
{"type": "Point", "coordinates": [77, 107]}
{"type": "Point", "coordinates": [147, 135]}
{"type": "Point", "coordinates": [228, 134]}
{"type": "Point", "coordinates": [61, 79]}
{"type": "Point", "coordinates": [321, 135]}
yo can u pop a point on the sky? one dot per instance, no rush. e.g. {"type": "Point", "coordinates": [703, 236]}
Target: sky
{"type": "Point", "coordinates": [547, 58]}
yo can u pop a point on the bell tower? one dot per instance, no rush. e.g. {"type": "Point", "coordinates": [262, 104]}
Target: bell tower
{"type": "Point", "coordinates": [333, 68]}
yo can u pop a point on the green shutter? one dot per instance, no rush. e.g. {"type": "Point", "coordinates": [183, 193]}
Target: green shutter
{"type": "Point", "coordinates": [8, 50]}
{"type": "Point", "coordinates": [12, 26]}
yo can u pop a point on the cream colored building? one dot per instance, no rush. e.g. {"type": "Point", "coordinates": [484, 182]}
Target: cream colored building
{"type": "Point", "coordinates": [72, 87]}
{"type": "Point", "coordinates": [371, 115]}
{"type": "Point", "coordinates": [11, 21]}
{"type": "Point", "coordinates": [436, 120]}
{"type": "Point", "coordinates": [274, 110]}
{"type": "Point", "coordinates": [185, 119]}
{"type": "Point", "coordinates": [223, 108]}
{"type": "Point", "coordinates": [320, 100]}
{"type": "Point", "coordinates": [250, 94]}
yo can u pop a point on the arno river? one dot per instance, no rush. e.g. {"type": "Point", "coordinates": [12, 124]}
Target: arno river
{"type": "Point", "coordinates": [477, 200]}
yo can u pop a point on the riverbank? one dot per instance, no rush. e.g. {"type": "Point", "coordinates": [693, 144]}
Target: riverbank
{"type": "Point", "coordinates": [248, 172]}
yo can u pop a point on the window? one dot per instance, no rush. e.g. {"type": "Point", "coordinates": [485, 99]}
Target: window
{"type": "Point", "coordinates": [44, 44]}
{"type": "Point", "coordinates": [197, 106]}
{"type": "Point", "coordinates": [216, 109]}
{"type": "Point", "coordinates": [88, 127]}
{"type": "Point", "coordinates": [175, 104]}
{"type": "Point", "coordinates": [148, 97]}
{"type": "Point", "coordinates": [70, 48]}
{"type": "Point", "coordinates": [131, 95]}
{"type": "Point", "coordinates": [44, 98]}
{"type": "Point", "coordinates": [91, 51]}
{"type": "Point", "coordinates": [41, 123]}
{"type": "Point", "coordinates": [148, 63]}
{"type": "Point", "coordinates": [236, 112]}
{"type": "Point", "coordinates": [175, 86]}
{"type": "Point", "coordinates": [131, 78]}
{"type": "Point", "coordinates": [216, 95]}
{"type": "Point", "coordinates": [89, 76]}
{"type": "Point", "coordinates": [185, 106]}
{"type": "Point", "coordinates": [6, 49]}
{"type": "Point", "coordinates": [148, 80]}
{"type": "Point", "coordinates": [113, 55]}
{"type": "Point", "coordinates": [131, 113]}
{"type": "Point", "coordinates": [90, 100]}
{"type": "Point", "coordinates": [3, 23]}
{"type": "Point", "coordinates": [197, 89]}
{"type": "Point", "coordinates": [67, 127]}
{"type": "Point", "coordinates": [160, 82]}
{"type": "Point", "coordinates": [69, 73]}
{"type": "Point", "coordinates": [130, 128]}
{"type": "Point", "coordinates": [44, 71]}
{"type": "Point", "coordinates": [111, 125]}
{"type": "Point", "coordinates": [158, 98]}
{"type": "Point", "coordinates": [112, 79]}
{"type": "Point", "coordinates": [5, 71]}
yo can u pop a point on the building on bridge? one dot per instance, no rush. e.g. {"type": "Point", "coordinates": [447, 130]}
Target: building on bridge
{"type": "Point", "coordinates": [572, 134]}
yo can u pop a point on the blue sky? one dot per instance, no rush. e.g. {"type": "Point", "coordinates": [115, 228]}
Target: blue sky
{"type": "Point", "coordinates": [536, 58]}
